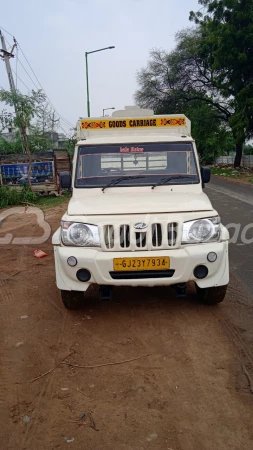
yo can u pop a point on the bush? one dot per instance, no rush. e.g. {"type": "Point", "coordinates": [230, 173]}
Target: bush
{"type": "Point", "coordinates": [27, 195]}
{"type": "Point", "coordinates": [9, 196]}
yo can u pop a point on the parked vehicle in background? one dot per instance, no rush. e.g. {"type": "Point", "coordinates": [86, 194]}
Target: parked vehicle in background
{"type": "Point", "coordinates": [45, 169]}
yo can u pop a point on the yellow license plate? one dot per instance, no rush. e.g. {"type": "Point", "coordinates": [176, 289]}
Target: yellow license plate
{"type": "Point", "coordinates": [124, 264]}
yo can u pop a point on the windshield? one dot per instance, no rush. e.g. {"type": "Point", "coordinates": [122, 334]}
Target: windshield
{"type": "Point", "coordinates": [98, 166]}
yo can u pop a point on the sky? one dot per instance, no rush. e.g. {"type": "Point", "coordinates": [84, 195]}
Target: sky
{"type": "Point", "coordinates": [55, 34]}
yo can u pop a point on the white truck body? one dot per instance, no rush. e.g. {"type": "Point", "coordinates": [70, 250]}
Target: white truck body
{"type": "Point", "coordinates": [133, 223]}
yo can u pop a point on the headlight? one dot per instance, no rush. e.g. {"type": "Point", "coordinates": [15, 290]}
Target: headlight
{"type": "Point", "coordinates": [202, 230]}
{"type": "Point", "coordinates": [80, 234]}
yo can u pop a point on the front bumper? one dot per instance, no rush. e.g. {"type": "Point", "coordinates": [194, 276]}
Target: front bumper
{"type": "Point", "coordinates": [183, 261]}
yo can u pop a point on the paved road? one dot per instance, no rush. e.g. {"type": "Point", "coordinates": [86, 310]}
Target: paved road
{"type": "Point", "coordinates": [234, 202]}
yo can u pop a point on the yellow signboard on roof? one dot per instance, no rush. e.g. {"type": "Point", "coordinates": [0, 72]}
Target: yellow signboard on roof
{"type": "Point", "coordinates": [135, 122]}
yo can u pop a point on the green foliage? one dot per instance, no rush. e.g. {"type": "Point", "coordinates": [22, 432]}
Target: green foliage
{"type": "Point", "coordinates": [180, 82]}
{"type": "Point", "coordinates": [10, 196]}
{"type": "Point", "coordinates": [212, 137]}
{"type": "Point", "coordinates": [7, 148]}
{"type": "Point", "coordinates": [181, 77]}
{"type": "Point", "coordinates": [44, 202]}
{"type": "Point", "coordinates": [27, 195]}
{"type": "Point", "coordinates": [225, 172]}
{"type": "Point", "coordinates": [26, 106]}
{"type": "Point", "coordinates": [226, 44]}
{"type": "Point", "coordinates": [69, 145]}
{"type": "Point", "coordinates": [193, 78]}
{"type": "Point", "coordinates": [36, 141]}
{"type": "Point", "coordinates": [177, 82]}
{"type": "Point", "coordinates": [44, 117]}
{"type": "Point", "coordinates": [33, 120]}
{"type": "Point", "coordinates": [248, 150]}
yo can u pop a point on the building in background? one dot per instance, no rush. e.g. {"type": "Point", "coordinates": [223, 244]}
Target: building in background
{"type": "Point", "coordinates": [57, 139]}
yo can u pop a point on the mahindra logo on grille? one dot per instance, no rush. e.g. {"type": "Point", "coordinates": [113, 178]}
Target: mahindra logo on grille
{"type": "Point", "coordinates": [140, 226]}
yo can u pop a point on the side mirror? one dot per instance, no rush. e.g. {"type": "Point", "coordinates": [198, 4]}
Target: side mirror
{"type": "Point", "coordinates": [65, 180]}
{"type": "Point", "coordinates": [205, 175]}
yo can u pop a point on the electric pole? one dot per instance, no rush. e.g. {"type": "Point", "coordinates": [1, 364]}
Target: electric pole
{"type": "Point", "coordinates": [54, 121]}
{"type": "Point", "coordinates": [6, 57]}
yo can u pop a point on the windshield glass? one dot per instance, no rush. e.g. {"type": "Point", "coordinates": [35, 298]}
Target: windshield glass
{"type": "Point", "coordinates": [97, 166]}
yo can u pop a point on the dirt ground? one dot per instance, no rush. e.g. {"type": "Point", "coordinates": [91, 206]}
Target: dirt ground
{"type": "Point", "coordinates": [190, 389]}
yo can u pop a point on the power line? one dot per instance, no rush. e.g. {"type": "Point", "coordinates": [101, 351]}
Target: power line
{"type": "Point", "coordinates": [31, 68]}
{"type": "Point", "coordinates": [67, 124]}
{"type": "Point", "coordinates": [6, 31]}
{"type": "Point", "coordinates": [66, 121]}
{"type": "Point", "coordinates": [63, 119]}
{"type": "Point", "coordinates": [62, 129]}
{"type": "Point", "coordinates": [21, 80]}
{"type": "Point", "coordinates": [28, 74]}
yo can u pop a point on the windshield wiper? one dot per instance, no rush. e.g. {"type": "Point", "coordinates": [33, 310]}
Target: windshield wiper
{"type": "Point", "coordinates": [166, 180]}
{"type": "Point", "coordinates": [118, 180]}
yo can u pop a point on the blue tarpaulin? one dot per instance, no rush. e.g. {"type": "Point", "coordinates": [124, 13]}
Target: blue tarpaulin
{"type": "Point", "coordinates": [14, 172]}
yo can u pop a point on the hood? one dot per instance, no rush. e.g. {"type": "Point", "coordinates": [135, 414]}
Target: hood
{"type": "Point", "coordinates": [134, 203]}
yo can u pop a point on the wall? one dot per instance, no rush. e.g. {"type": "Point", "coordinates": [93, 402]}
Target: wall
{"type": "Point", "coordinates": [247, 160]}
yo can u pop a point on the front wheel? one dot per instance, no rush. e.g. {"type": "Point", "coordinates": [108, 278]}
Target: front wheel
{"type": "Point", "coordinates": [211, 295]}
{"type": "Point", "coordinates": [72, 299]}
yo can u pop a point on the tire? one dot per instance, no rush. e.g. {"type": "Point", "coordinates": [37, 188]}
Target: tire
{"type": "Point", "coordinates": [72, 299]}
{"type": "Point", "coordinates": [211, 295]}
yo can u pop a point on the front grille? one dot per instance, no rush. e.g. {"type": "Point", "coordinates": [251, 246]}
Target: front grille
{"type": "Point", "coordinates": [156, 235]}
{"type": "Point", "coordinates": [141, 239]}
{"type": "Point", "coordinates": [172, 234]}
{"type": "Point", "coordinates": [124, 236]}
{"type": "Point", "coordinates": [109, 236]}
{"type": "Point", "coordinates": [142, 274]}
{"type": "Point", "coordinates": [160, 235]}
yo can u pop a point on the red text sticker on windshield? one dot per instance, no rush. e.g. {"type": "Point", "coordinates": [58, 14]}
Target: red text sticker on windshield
{"type": "Point", "coordinates": [137, 149]}
{"type": "Point", "coordinates": [131, 149]}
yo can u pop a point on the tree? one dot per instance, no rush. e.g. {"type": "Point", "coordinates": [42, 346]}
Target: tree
{"type": "Point", "coordinates": [180, 81]}
{"type": "Point", "coordinates": [212, 136]}
{"type": "Point", "coordinates": [26, 108]}
{"type": "Point", "coordinates": [226, 45]}
{"type": "Point", "coordinates": [38, 140]}
{"type": "Point", "coordinates": [186, 75]}
{"type": "Point", "coordinates": [7, 147]}
{"type": "Point", "coordinates": [248, 150]}
{"type": "Point", "coordinates": [181, 76]}
{"type": "Point", "coordinates": [44, 120]}
{"type": "Point", "coordinates": [69, 145]}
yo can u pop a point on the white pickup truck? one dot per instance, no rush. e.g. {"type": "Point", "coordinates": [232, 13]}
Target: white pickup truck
{"type": "Point", "coordinates": [138, 215]}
